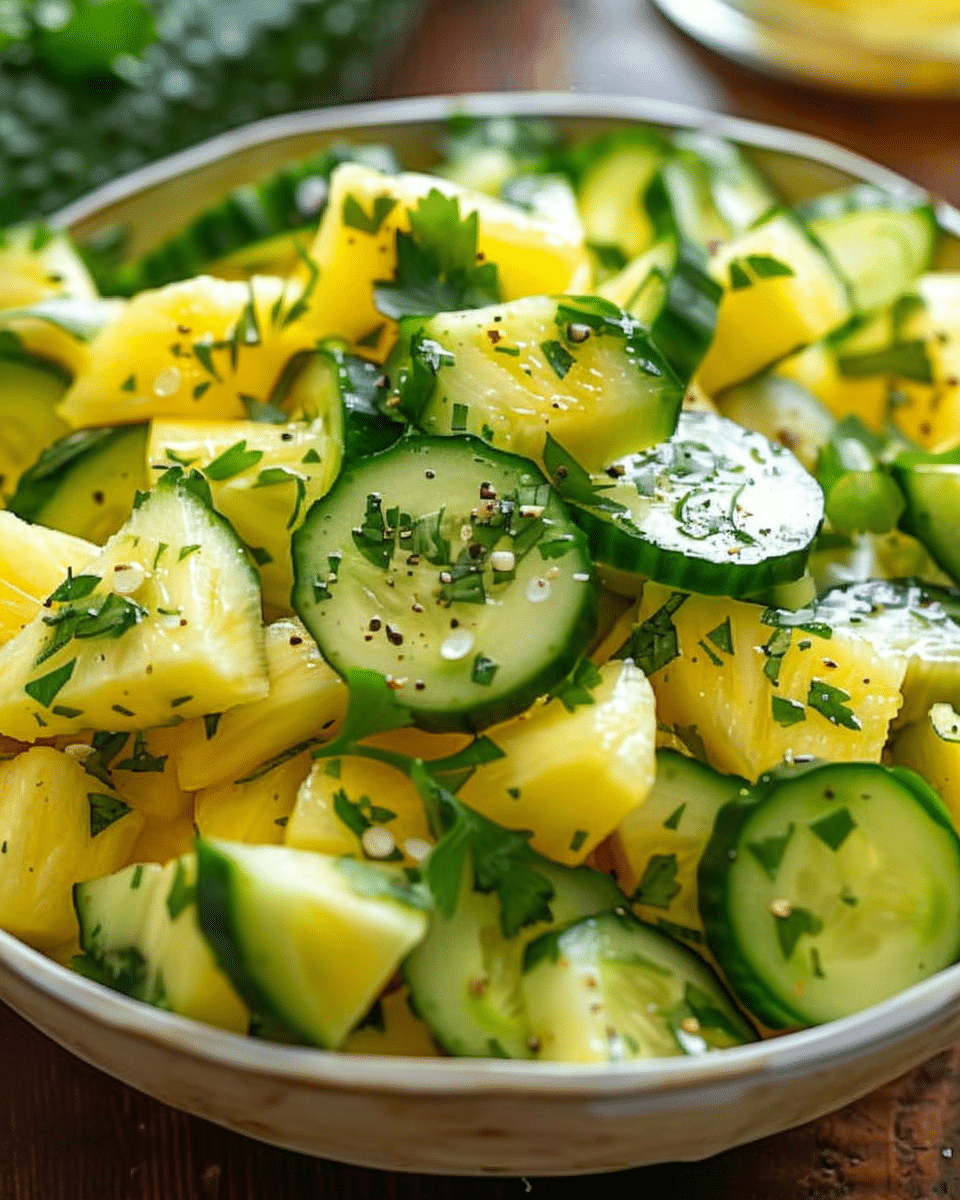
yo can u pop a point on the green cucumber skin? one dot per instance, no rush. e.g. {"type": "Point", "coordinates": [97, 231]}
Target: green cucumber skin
{"type": "Point", "coordinates": [935, 523]}
{"type": "Point", "coordinates": [506, 705]}
{"type": "Point", "coordinates": [719, 858]}
{"type": "Point", "coordinates": [216, 916]}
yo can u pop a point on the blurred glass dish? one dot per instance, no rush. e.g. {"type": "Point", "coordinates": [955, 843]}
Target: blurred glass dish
{"type": "Point", "coordinates": [901, 47]}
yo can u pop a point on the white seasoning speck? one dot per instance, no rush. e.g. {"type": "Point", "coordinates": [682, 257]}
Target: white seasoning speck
{"type": "Point", "coordinates": [531, 510]}
{"type": "Point", "coordinates": [79, 752]}
{"type": "Point", "coordinates": [417, 849]}
{"type": "Point", "coordinates": [466, 533]}
{"type": "Point", "coordinates": [127, 578]}
{"type": "Point", "coordinates": [538, 590]}
{"type": "Point", "coordinates": [781, 908]}
{"type": "Point", "coordinates": [581, 577]}
{"type": "Point", "coordinates": [456, 645]}
{"type": "Point", "coordinates": [167, 382]}
{"type": "Point", "coordinates": [503, 560]}
{"type": "Point", "coordinates": [377, 842]}
{"type": "Point", "coordinates": [553, 573]}
{"type": "Point", "coordinates": [690, 1025]}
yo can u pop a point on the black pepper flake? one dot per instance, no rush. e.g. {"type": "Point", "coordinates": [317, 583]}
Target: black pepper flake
{"type": "Point", "coordinates": [487, 491]}
{"type": "Point", "coordinates": [98, 497]}
{"type": "Point", "coordinates": [577, 333]}
{"type": "Point", "coordinates": [394, 636]}
{"type": "Point", "coordinates": [296, 641]}
{"type": "Point", "coordinates": [419, 685]}
{"type": "Point", "coordinates": [375, 624]}
{"type": "Point", "coordinates": [428, 474]}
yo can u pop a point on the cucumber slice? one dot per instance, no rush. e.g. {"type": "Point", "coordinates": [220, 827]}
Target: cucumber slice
{"type": "Point", "coordinates": [465, 976]}
{"type": "Point", "coordinates": [163, 625]}
{"type": "Point", "coordinates": [715, 509]}
{"type": "Point", "coordinates": [30, 390]}
{"type": "Point", "coordinates": [830, 887]}
{"type": "Point", "coordinates": [880, 240]}
{"type": "Point", "coordinates": [577, 367]}
{"type": "Point", "coordinates": [931, 485]}
{"type": "Point", "coordinates": [783, 410]}
{"type": "Point", "coordinates": [908, 618]}
{"type": "Point", "coordinates": [614, 173]}
{"type": "Point", "coordinates": [306, 939]}
{"type": "Point", "coordinates": [335, 377]}
{"type": "Point", "coordinates": [85, 483]}
{"type": "Point", "coordinates": [425, 562]}
{"type": "Point", "coordinates": [611, 989]}
{"type": "Point", "coordinates": [657, 848]}
{"type": "Point", "coordinates": [139, 935]}
{"type": "Point", "coordinates": [860, 495]}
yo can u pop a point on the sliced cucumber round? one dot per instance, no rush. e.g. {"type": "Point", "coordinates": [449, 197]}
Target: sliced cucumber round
{"type": "Point", "coordinates": [611, 989]}
{"type": "Point", "coordinates": [465, 976]}
{"type": "Point", "coordinates": [716, 509]}
{"type": "Point", "coordinates": [931, 486]}
{"type": "Point", "coordinates": [830, 887]}
{"type": "Point", "coordinates": [452, 569]}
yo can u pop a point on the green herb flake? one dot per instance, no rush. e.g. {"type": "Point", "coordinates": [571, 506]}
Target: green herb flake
{"type": "Point", "coordinates": [578, 687]}
{"type": "Point", "coordinates": [830, 702]}
{"type": "Point", "coordinates": [141, 759]}
{"type": "Point", "coordinates": [769, 851]}
{"type": "Point", "coordinates": [203, 353]}
{"type": "Point", "coordinates": [178, 700]}
{"type": "Point", "coordinates": [211, 723]}
{"type": "Point", "coordinates": [186, 551]}
{"type": "Point", "coordinates": [739, 279]}
{"type": "Point", "coordinates": [74, 587]}
{"type": "Point", "coordinates": [658, 885]}
{"type": "Point", "coordinates": [834, 829]}
{"type": "Point", "coordinates": [62, 710]}
{"type": "Point", "coordinates": [654, 644]}
{"type": "Point", "coordinates": [137, 877]}
{"type": "Point", "coordinates": [512, 351]}
{"type": "Point", "coordinates": [162, 548]}
{"type": "Point", "coordinates": [765, 266]}
{"type": "Point", "coordinates": [45, 689]}
{"type": "Point", "coordinates": [673, 821]}
{"type": "Point", "coordinates": [714, 658]}
{"type": "Point", "coordinates": [201, 389]}
{"type": "Point", "coordinates": [722, 637]}
{"type": "Point", "coordinates": [816, 966]}
{"type": "Point", "coordinates": [576, 842]}
{"type": "Point", "coordinates": [104, 810]}
{"type": "Point", "coordinates": [129, 384]}
{"type": "Point", "coordinates": [483, 670]}
{"type": "Point", "coordinates": [310, 457]}
{"type": "Point", "coordinates": [558, 357]}
{"type": "Point", "coordinates": [182, 893]}
{"type": "Point", "coordinates": [354, 216]}
{"type": "Point", "coordinates": [261, 556]}
{"type": "Point", "coordinates": [458, 421]}
{"type": "Point", "coordinates": [232, 462]}
{"type": "Point", "coordinates": [787, 712]}
{"type": "Point", "coordinates": [791, 928]}
{"type": "Point", "coordinates": [775, 648]}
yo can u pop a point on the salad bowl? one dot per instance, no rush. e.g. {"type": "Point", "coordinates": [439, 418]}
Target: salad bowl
{"type": "Point", "coordinates": [460, 1116]}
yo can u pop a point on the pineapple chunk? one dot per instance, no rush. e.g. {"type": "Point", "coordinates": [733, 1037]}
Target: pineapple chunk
{"type": "Point", "coordinates": [307, 699]}
{"type": "Point", "coordinates": [33, 561]}
{"type": "Point", "coordinates": [816, 369]}
{"type": "Point", "coordinates": [262, 477]}
{"type": "Point", "coordinates": [361, 807]}
{"type": "Point", "coordinates": [255, 810]}
{"type": "Point", "coordinates": [764, 315]}
{"type": "Point", "coordinates": [165, 623]}
{"type": "Point", "coordinates": [160, 841]}
{"type": "Point", "coordinates": [931, 747]}
{"type": "Point", "coordinates": [203, 348]}
{"type": "Point", "coordinates": [745, 687]}
{"type": "Point", "coordinates": [929, 413]}
{"type": "Point", "coordinates": [534, 255]}
{"type": "Point", "coordinates": [392, 1027]}
{"type": "Point", "coordinates": [58, 826]}
{"type": "Point", "coordinates": [553, 758]}
{"type": "Point", "coordinates": [139, 932]}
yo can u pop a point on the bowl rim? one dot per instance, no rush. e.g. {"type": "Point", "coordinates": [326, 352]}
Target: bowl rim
{"type": "Point", "coordinates": [786, 1057]}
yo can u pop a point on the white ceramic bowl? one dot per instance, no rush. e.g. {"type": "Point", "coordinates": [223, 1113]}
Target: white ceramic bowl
{"type": "Point", "coordinates": [455, 1116]}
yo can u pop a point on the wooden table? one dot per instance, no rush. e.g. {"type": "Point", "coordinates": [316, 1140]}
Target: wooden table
{"type": "Point", "coordinates": [69, 1133]}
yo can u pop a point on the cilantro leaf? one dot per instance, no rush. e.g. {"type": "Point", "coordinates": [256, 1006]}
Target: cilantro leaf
{"type": "Point", "coordinates": [829, 702]}
{"type": "Point", "coordinates": [769, 851]}
{"type": "Point", "coordinates": [654, 644]}
{"type": "Point", "coordinates": [355, 217]}
{"type": "Point", "coordinates": [577, 688]}
{"type": "Point", "coordinates": [658, 884]}
{"type": "Point", "coordinates": [373, 708]}
{"type": "Point", "coordinates": [104, 810]}
{"type": "Point", "coordinates": [791, 927]}
{"type": "Point", "coordinates": [437, 269]}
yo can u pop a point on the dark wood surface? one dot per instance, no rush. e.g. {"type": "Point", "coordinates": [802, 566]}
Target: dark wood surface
{"type": "Point", "coordinates": [68, 1132]}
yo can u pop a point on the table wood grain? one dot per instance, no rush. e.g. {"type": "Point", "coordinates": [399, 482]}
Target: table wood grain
{"type": "Point", "coordinates": [67, 1132]}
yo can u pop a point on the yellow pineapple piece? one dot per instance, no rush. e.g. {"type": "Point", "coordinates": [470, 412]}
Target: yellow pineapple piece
{"type": "Point", "coordinates": [929, 413]}
{"type": "Point", "coordinates": [255, 810]}
{"type": "Point", "coordinates": [58, 826]}
{"type": "Point", "coordinates": [931, 747]}
{"type": "Point", "coordinates": [392, 1028]}
{"type": "Point", "coordinates": [263, 478]}
{"type": "Point", "coordinates": [161, 841]}
{"type": "Point", "coordinates": [744, 689]}
{"type": "Point", "coordinates": [307, 699]}
{"type": "Point", "coordinates": [204, 348]}
{"type": "Point", "coordinates": [764, 317]}
{"type": "Point", "coordinates": [358, 806]}
{"type": "Point", "coordinates": [817, 370]}
{"type": "Point", "coordinates": [554, 759]}
{"type": "Point", "coordinates": [33, 561]}
{"type": "Point", "coordinates": [534, 255]}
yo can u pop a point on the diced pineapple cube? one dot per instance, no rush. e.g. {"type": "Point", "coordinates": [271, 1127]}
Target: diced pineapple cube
{"type": "Point", "coordinates": [744, 687]}
{"type": "Point", "coordinates": [931, 747]}
{"type": "Point", "coordinates": [203, 348]}
{"type": "Point", "coordinates": [255, 810]}
{"type": "Point", "coordinates": [58, 826]}
{"type": "Point", "coordinates": [554, 759]}
{"type": "Point", "coordinates": [358, 806]}
{"type": "Point", "coordinates": [307, 699]}
{"type": "Point", "coordinates": [33, 561]}
{"type": "Point", "coordinates": [534, 255]}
